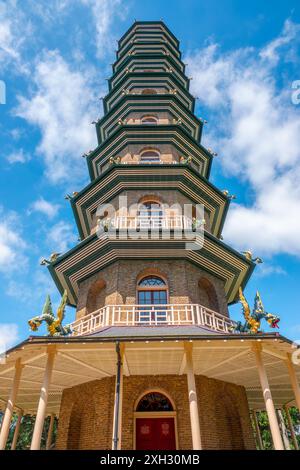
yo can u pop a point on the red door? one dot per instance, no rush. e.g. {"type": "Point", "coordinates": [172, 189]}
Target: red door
{"type": "Point", "coordinates": [155, 434]}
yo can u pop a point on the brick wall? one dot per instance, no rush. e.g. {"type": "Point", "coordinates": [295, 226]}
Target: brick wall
{"type": "Point", "coordinates": [86, 414]}
{"type": "Point", "coordinates": [120, 280]}
{"type": "Point", "coordinates": [224, 415]}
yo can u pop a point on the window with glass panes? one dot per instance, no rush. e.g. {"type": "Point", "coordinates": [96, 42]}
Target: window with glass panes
{"type": "Point", "coordinates": [152, 290]}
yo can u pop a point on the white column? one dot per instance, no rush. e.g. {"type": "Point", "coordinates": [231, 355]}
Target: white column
{"type": "Point", "coordinates": [50, 431]}
{"type": "Point", "coordinates": [274, 427]}
{"type": "Point", "coordinates": [284, 433]}
{"type": "Point", "coordinates": [293, 379]}
{"type": "Point", "coordinates": [17, 429]}
{"type": "Point", "coordinates": [42, 406]}
{"type": "Point", "coordinates": [120, 409]}
{"type": "Point", "coordinates": [10, 405]}
{"type": "Point", "coordinates": [194, 413]}
{"type": "Point", "coordinates": [291, 428]}
{"type": "Point", "coordinates": [257, 430]}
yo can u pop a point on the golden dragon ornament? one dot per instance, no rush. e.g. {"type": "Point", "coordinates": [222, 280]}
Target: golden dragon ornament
{"type": "Point", "coordinates": [54, 324]}
{"type": "Point", "coordinates": [253, 319]}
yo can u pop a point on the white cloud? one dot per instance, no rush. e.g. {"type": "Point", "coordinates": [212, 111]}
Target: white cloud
{"type": "Point", "coordinates": [60, 237]}
{"type": "Point", "coordinates": [15, 28]}
{"type": "Point", "coordinates": [51, 12]}
{"type": "Point", "coordinates": [266, 269]}
{"type": "Point", "coordinates": [12, 245]}
{"type": "Point", "coordinates": [7, 47]}
{"type": "Point", "coordinates": [45, 207]}
{"type": "Point", "coordinates": [18, 156]}
{"type": "Point", "coordinates": [8, 336]}
{"type": "Point", "coordinates": [210, 72]}
{"type": "Point", "coordinates": [63, 98]}
{"type": "Point", "coordinates": [105, 13]}
{"type": "Point", "coordinates": [256, 132]}
{"type": "Point", "coordinates": [62, 105]}
{"type": "Point", "coordinates": [289, 33]}
{"type": "Point", "coordinates": [21, 21]}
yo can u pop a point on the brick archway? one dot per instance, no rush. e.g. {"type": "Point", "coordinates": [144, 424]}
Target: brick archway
{"type": "Point", "coordinates": [229, 427]}
{"type": "Point", "coordinates": [96, 296]}
{"type": "Point", "coordinates": [207, 294]}
{"type": "Point", "coordinates": [151, 198]}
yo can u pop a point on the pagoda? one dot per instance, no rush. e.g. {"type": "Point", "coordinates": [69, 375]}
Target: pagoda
{"type": "Point", "coordinates": [152, 359]}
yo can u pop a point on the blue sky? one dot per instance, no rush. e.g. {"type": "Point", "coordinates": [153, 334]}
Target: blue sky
{"type": "Point", "coordinates": [54, 59]}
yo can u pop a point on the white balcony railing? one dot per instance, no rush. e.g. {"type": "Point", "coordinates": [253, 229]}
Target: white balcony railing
{"type": "Point", "coordinates": [152, 221]}
{"type": "Point", "coordinates": [151, 315]}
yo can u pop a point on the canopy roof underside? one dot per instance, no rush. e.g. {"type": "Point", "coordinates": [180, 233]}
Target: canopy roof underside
{"type": "Point", "coordinates": [82, 359]}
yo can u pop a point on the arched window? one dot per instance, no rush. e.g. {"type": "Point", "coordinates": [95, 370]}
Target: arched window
{"type": "Point", "coordinates": [149, 120]}
{"type": "Point", "coordinates": [149, 91]}
{"type": "Point", "coordinates": [154, 401]}
{"type": "Point", "coordinates": [150, 209]}
{"type": "Point", "coordinates": [150, 156]}
{"type": "Point", "coordinates": [152, 290]}
{"type": "Point", "coordinates": [152, 281]}
{"type": "Point", "coordinates": [150, 215]}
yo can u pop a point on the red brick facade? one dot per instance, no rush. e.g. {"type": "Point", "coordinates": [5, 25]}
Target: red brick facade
{"type": "Point", "coordinates": [86, 414]}
{"type": "Point", "coordinates": [117, 285]}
